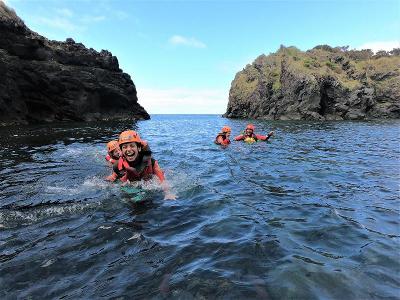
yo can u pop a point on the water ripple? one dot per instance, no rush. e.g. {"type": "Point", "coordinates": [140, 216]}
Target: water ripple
{"type": "Point", "coordinates": [312, 214]}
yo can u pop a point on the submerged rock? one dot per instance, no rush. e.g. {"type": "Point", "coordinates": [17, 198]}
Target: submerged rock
{"type": "Point", "coordinates": [324, 83]}
{"type": "Point", "coordinates": [45, 81]}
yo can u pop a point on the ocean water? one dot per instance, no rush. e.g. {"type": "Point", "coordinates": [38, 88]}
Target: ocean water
{"type": "Point", "coordinates": [311, 214]}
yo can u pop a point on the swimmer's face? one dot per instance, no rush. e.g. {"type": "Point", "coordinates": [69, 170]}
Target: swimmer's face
{"type": "Point", "coordinates": [116, 153]}
{"type": "Point", "coordinates": [130, 151]}
{"type": "Point", "coordinates": [249, 131]}
{"type": "Point", "coordinates": [227, 134]}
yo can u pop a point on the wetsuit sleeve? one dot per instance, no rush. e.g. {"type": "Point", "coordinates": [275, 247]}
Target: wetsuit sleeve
{"type": "Point", "coordinates": [239, 137]}
{"type": "Point", "coordinates": [262, 137]}
{"type": "Point", "coordinates": [158, 172]}
{"type": "Point", "coordinates": [116, 172]}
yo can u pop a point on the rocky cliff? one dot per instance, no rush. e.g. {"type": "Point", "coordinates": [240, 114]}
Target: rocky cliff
{"type": "Point", "coordinates": [324, 83]}
{"type": "Point", "coordinates": [45, 81]}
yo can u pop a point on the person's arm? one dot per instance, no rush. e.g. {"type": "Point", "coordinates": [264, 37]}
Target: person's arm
{"type": "Point", "coordinates": [114, 176]}
{"type": "Point", "coordinates": [109, 159]}
{"type": "Point", "coordinates": [239, 137]}
{"type": "Point", "coordinates": [158, 172]}
{"type": "Point", "coordinates": [168, 195]}
{"type": "Point", "coordinates": [264, 137]}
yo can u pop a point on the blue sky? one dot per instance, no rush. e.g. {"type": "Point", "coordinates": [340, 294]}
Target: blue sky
{"type": "Point", "coordinates": [183, 55]}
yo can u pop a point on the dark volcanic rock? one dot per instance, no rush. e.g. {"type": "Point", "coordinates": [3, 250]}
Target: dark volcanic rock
{"type": "Point", "coordinates": [45, 81]}
{"type": "Point", "coordinates": [324, 83]}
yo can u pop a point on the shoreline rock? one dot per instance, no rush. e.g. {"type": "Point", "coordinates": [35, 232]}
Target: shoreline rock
{"type": "Point", "coordinates": [323, 83]}
{"type": "Point", "coordinates": [49, 81]}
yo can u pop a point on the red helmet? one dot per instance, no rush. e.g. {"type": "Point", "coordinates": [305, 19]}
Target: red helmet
{"type": "Point", "coordinates": [226, 129]}
{"type": "Point", "coordinates": [111, 146]}
{"type": "Point", "coordinates": [250, 126]}
{"type": "Point", "coordinates": [129, 136]}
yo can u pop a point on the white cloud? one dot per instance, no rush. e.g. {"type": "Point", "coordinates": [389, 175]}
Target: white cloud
{"type": "Point", "coordinates": [92, 19]}
{"type": "Point", "coordinates": [189, 42]}
{"type": "Point", "coordinates": [232, 67]}
{"type": "Point", "coordinates": [376, 46]}
{"type": "Point", "coordinates": [121, 15]}
{"type": "Point", "coordinates": [60, 23]}
{"type": "Point", "coordinates": [65, 12]}
{"type": "Point", "coordinates": [65, 20]}
{"type": "Point", "coordinates": [183, 100]}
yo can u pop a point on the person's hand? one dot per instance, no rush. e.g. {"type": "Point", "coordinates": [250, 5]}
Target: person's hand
{"type": "Point", "coordinates": [112, 177]}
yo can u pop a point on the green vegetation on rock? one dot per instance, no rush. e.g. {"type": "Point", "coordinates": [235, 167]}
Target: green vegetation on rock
{"type": "Point", "coordinates": [321, 83]}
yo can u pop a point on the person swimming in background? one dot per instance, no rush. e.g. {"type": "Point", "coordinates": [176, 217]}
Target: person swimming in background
{"type": "Point", "coordinates": [223, 137]}
{"type": "Point", "coordinates": [136, 163]}
{"type": "Point", "coordinates": [250, 137]}
{"type": "Point", "coordinates": [113, 152]}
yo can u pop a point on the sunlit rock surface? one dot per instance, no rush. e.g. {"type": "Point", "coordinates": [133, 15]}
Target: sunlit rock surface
{"type": "Point", "coordinates": [323, 83]}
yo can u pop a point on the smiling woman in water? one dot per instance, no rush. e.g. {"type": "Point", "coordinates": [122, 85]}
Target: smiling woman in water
{"type": "Point", "coordinates": [136, 164]}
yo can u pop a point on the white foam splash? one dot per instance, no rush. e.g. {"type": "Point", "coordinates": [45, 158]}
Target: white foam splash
{"type": "Point", "coordinates": [89, 184]}
{"type": "Point", "coordinates": [135, 236]}
{"type": "Point", "coordinates": [79, 151]}
{"type": "Point", "coordinates": [96, 183]}
{"type": "Point", "coordinates": [48, 263]}
{"type": "Point", "coordinates": [104, 227]}
{"type": "Point", "coordinates": [36, 214]}
{"type": "Point", "coordinates": [61, 190]}
{"type": "Point", "coordinates": [74, 152]}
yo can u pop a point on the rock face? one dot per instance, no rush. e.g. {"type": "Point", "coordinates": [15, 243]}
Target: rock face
{"type": "Point", "coordinates": [324, 83]}
{"type": "Point", "coordinates": [45, 81]}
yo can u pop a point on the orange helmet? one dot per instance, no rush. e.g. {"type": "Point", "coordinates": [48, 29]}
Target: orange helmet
{"type": "Point", "coordinates": [250, 126]}
{"type": "Point", "coordinates": [111, 146]}
{"type": "Point", "coordinates": [226, 129]}
{"type": "Point", "coordinates": [129, 136]}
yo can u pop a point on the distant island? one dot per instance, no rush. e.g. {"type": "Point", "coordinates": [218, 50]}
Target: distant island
{"type": "Point", "coordinates": [47, 81]}
{"type": "Point", "coordinates": [323, 83]}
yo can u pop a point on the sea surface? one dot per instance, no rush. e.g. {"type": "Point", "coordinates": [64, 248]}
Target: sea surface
{"type": "Point", "coordinates": [313, 213]}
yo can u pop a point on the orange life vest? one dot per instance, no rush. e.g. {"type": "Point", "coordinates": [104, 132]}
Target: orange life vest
{"type": "Point", "coordinates": [131, 173]}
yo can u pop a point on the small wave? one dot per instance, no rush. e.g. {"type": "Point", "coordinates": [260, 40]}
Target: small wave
{"type": "Point", "coordinates": [22, 216]}
{"type": "Point", "coordinates": [47, 263]}
{"type": "Point", "coordinates": [79, 151]}
{"type": "Point", "coordinates": [62, 190]}
{"type": "Point", "coordinates": [74, 152]}
{"type": "Point", "coordinates": [178, 183]}
{"type": "Point", "coordinates": [96, 182]}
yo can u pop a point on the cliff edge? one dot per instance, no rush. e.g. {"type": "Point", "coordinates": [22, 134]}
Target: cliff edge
{"type": "Point", "coordinates": [46, 81]}
{"type": "Point", "coordinates": [323, 83]}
